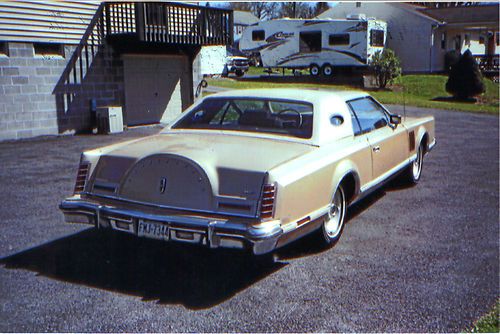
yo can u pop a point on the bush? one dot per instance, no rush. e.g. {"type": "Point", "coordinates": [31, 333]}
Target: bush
{"type": "Point", "coordinates": [465, 79]}
{"type": "Point", "coordinates": [387, 67]}
{"type": "Point", "coordinates": [450, 59]}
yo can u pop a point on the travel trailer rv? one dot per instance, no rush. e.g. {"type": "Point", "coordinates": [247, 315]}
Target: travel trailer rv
{"type": "Point", "coordinates": [320, 45]}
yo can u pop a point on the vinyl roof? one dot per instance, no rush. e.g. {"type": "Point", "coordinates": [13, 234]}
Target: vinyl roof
{"type": "Point", "coordinates": [306, 95]}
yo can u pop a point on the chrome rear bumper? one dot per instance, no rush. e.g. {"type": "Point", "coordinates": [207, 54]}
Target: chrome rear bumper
{"type": "Point", "coordinates": [226, 233]}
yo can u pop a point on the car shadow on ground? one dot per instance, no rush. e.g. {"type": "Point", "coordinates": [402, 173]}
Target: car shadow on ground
{"type": "Point", "coordinates": [310, 244]}
{"type": "Point", "coordinates": [170, 273]}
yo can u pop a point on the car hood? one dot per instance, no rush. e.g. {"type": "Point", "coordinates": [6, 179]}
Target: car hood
{"type": "Point", "coordinates": [203, 172]}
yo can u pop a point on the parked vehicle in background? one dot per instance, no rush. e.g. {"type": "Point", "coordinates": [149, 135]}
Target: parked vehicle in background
{"type": "Point", "coordinates": [237, 65]}
{"type": "Point", "coordinates": [250, 169]}
{"type": "Point", "coordinates": [320, 45]}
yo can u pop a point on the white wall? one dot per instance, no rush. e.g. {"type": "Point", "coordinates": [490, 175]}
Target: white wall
{"type": "Point", "coordinates": [212, 59]}
{"type": "Point", "coordinates": [408, 34]}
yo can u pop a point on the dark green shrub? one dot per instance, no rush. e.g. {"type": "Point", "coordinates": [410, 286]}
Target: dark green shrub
{"type": "Point", "coordinates": [451, 58]}
{"type": "Point", "coordinates": [387, 67]}
{"type": "Point", "coordinates": [465, 79]}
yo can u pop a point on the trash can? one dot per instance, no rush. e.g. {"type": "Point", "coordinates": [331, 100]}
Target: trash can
{"type": "Point", "coordinates": [109, 119]}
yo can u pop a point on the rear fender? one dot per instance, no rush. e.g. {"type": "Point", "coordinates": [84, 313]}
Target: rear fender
{"type": "Point", "coordinates": [344, 168]}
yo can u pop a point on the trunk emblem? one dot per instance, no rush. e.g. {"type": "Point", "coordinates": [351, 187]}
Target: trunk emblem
{"type": "Point", "coordinates": [163, 185]}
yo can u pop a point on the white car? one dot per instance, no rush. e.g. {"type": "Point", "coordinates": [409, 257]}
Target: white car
{"type": "Point", "coordinates": [253, 169]}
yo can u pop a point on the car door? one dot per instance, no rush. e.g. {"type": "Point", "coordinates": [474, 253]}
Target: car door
{"type": "Point", "coordinates": [389, 144]}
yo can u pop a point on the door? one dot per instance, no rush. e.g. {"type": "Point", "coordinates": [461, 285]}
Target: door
{"type": "Point", "coordinates": [156, 88]}
{"type": "Point", "coordinates": [389, 145]}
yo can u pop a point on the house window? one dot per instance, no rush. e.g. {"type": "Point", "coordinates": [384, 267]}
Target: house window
{"type": "Point", "coordinates": [258, 35]}
{"type": "Point", "coordinates": [377, 37]}
{"type": "Point", "coordinates": [443, 40]}
{"type": "Point", "coordinates": [49, 49]}
{"type": "Point", "coordinates": [358, 4]}
{"type": "Point", "coordinates": [467, 39]}
{"type": "Point", "coordinates": [338, 39]}
{"type": "Point", "coordinates": [310, 41]}
{"type": "Point", "coordinates": [4, 49]}
{"type": "Point", "coordinates": [458, 42]}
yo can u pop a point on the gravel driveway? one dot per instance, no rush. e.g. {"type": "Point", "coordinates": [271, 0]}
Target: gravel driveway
{"type": "Point", "coordinates": [424, 258]}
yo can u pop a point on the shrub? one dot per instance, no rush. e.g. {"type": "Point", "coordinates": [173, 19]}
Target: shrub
{"type": "Point", "coordinates": [450, 58]}
{"type": "Point", "coordinates": [387, 67]}
{"type": "Point", "coordinates": [465, 79]}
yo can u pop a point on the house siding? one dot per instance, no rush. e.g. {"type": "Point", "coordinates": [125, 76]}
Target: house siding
{"type": "Point", "coordinates": [29, 105]}
{"type": "Point", "coordinates": [49, 22]}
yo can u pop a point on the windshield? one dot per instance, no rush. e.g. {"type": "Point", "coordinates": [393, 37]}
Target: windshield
{"type": "Point", "coordinates": [275, 116]}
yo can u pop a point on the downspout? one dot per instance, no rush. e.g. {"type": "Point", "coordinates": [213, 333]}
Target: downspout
{"type": "Point", "coordinates": [433, 42]}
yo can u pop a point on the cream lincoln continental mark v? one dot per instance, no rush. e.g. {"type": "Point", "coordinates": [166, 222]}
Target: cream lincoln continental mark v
{"type": "Point", "coordinates": [250, 169]}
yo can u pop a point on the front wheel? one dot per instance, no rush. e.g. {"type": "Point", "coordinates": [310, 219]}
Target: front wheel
{"type": "Point", "coordinates": [314, 70]}
{"type": "Point", "coordinates": [239, 73]}
{"type": "Point", "coordinates": [334, 221]}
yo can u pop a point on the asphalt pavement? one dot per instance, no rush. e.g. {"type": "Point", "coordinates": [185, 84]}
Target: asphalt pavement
{"type": "Point", "coordinates": [411, 259]}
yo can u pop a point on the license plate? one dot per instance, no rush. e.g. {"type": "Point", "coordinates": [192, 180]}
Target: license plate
{"type": "Point", "coordinates": [152, 230]}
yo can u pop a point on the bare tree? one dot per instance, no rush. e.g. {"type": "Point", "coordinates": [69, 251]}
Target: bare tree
{"type": "Point", "coordinates": [295, 9]}
{"type": "Point", "coordinates": [261, 9]}
{"type": "Point", "coordinates": [320, 7]}
{"type": "Point", "coordinates": [444, 4]}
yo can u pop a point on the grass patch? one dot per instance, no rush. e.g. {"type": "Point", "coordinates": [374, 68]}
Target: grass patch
{"type": "Point", "coordinates": [426, 91]}
{"type": "Point", "coordinates": [489, 322]}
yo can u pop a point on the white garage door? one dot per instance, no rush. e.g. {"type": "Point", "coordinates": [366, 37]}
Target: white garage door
{"type": "Point", "coordinates": [156, 88]}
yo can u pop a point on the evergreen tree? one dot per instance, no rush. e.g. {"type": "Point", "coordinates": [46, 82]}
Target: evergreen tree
{"type": "Point", "coordinates": [465, 79]}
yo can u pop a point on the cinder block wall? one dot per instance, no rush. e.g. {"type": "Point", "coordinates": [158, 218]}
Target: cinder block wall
{"type": "Point", "coordinates": [29, 103]}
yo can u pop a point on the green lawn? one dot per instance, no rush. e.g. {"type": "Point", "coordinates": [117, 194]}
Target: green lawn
{"type": "Point", "coordinates": [489, 322]}
{"type": "Point", "coordinates": [419, 91]}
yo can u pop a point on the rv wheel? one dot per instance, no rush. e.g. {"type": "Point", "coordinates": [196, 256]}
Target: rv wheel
{"type": "Point", "coordinates": [327, 70]}
{"type": "Point", "coordinates": [314, 70]}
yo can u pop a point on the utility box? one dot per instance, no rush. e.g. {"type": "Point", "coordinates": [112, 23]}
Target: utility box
{"type": "Point", "coordinates": [109, 119]}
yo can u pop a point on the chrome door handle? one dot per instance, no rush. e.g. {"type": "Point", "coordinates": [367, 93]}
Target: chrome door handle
{"type": "Point", "coordinates": [376, 149]}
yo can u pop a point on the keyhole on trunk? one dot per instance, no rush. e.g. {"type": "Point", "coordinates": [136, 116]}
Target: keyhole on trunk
{"type": "Point", "coordinates": [156, 94]}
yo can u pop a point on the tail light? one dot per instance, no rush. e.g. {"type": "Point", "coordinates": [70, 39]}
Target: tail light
{"type": "Point", "coordinates": [268, 200]}
{"type": "Point", "coordinates": [81, 177]}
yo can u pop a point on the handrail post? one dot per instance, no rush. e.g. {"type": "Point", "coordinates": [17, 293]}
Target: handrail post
{"type": "Point", "coordinates": [139, 20]}
{"type": "Point", "coordinates": [108, 19]}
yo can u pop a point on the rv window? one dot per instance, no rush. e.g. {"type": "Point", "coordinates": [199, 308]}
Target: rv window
{"type": "Point", "coordinates": [339, 39]}
{"type": "Point", "coordinates": [377, 38]}
{"type": "Point", "coordinates": [310, 41]}
{"type": "Point", "coordinates": [258, 35]}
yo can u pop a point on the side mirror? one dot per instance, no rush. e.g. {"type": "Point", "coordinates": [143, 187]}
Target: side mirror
{"type": "Point", "coordinates": [395, 119]}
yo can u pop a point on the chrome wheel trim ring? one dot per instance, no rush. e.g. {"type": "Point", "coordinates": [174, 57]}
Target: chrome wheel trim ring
{"type": "Point", "coordinates": [335, 217]}
{"type": "Point", "coordinates": [314, 70]}
{"type": "Point", "coordinates": [327, 70]}
{"type": "Point", "coordinates": [417, 164]}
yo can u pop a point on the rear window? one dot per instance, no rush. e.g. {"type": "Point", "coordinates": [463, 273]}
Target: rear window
{"type": "Point", "coordinates": [377, 37]}
{"type": "Point", "coordinates": [283, 117]}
